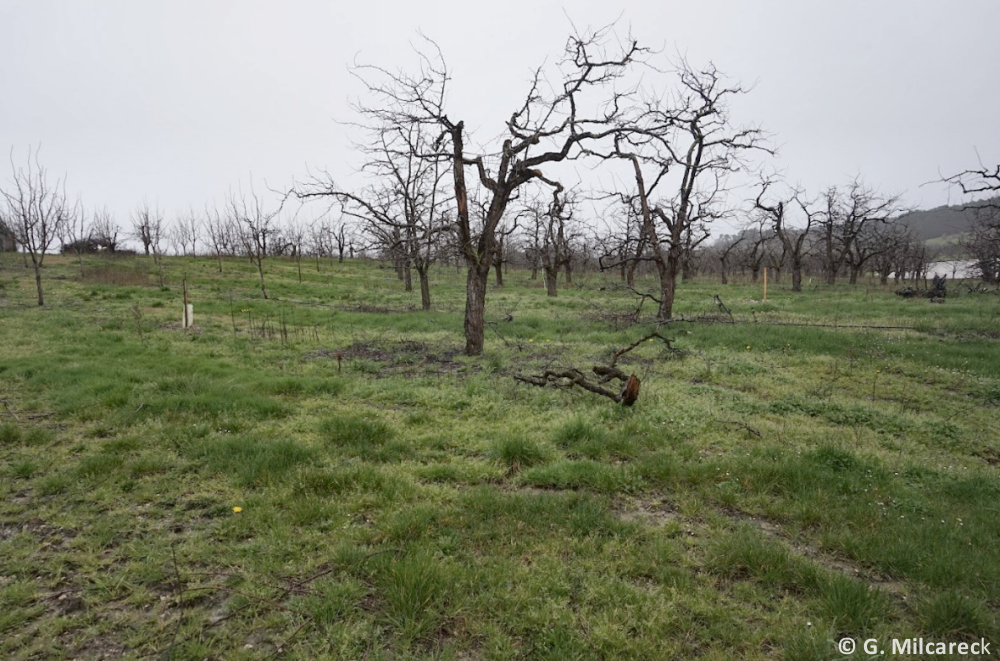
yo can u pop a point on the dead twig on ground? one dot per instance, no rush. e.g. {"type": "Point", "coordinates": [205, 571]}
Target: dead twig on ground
{"type": "Point", "coordinates": [736, 423]}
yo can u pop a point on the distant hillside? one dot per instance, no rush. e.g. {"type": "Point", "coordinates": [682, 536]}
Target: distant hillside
{"type": "Point", "coordinates": [943, 221]}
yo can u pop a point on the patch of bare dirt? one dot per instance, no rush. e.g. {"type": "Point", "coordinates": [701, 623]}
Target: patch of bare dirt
{"type": "Point", "coordinates": [376, 309]}
{"type": "Point", "coordinates": [655, 511]}
{"type": "Point", "coordinates": [179, 326]}
{"type": "Point", "coordinates": [46, 534]}
{"type": "Point", "coordinates": [408, 358]}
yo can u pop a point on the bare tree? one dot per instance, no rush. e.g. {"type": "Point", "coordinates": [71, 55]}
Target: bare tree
{"type": "Point", "coordinates": [402, 209]}
{"type": "Point", "coordinates": [625, 246]}
{"type": "Point", "coordinates": [547, 127]}
{"type": "Point", "coordinates": [343, 240]}
{"type": "Point", "coordinates": [552, 220]}
{"type": "Point", "coordinates": [984, 179]}
{"type": "Point", "coordinates": [186, 231]}
{"type": "Point", "coordinates": [296, 234]}
{"type": "Point", "coordinates": [35, 210]}
{"type": "Point", "coordinates": [221, 233]}
{"type": "Point", "coordinates": [149, 228]}
{"type": "Point", "coordinates": [794, 241]}
{"type": "Point", "coordinates": [142, 229]}
{"type": "Point", "coordinates": [256, 225]}
{"type": "Point", "coordinates": [891, 245]}
{"type": "Point", "coordinates": [725, 247]}
{"type": "Point", "coordinates": [76, 234]}
{"type": "Point", "coordinates": [690, 135]}
{"type": "Point", "coordinates": [846, 215]}
{"type": "Point", "coordinates": [983, 242]}
{"type": "Point", "coordinates": [105, 230]}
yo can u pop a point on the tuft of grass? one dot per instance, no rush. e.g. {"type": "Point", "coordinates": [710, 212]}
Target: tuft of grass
{"type": "Point", "coordinates": [413, 590]}
{"type": "Point", "coordinates": [252, 460]}
{"type": "Point", "coordinates": [854, 606]}
{"type": "Point", "coordinates": [99, 466]}
{"type": "Point", "coordinates": [517, 452]}
{"type": "Point", "coordinates": [951, 615]}
{"type": "Point", "coordinates": [354, 431]}
{"type": "Point", "coordinates": [10, 434]}
{"type": "Point", "coordinates": [371, 440]}
{"type": "Point", "coordinates": [747, 554]}
{"type": "Point", "coordinates": [584, 474]}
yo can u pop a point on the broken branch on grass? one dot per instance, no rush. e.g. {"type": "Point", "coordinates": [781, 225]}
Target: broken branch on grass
{"type": "Point", "coordinates": [654, 335]}
{"type": "Point", "coordinates": [567, 378]}
{"type": "Point", "coordinates": [494, 326]}
{"type": "Point", "coordinates": [724, 309]}
{"type": "Point", "coordinates": [10, 410]}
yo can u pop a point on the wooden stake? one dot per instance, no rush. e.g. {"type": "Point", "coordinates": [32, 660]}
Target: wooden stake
{"type": "Point", "coordinates": [765, 284]}
{"type": "Point", "coordinates": [186, 321]}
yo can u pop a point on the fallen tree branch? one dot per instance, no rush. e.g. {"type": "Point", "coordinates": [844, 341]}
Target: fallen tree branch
{"type": "Point", "coordinates": [573, 377]}
{"type": "Point", "coordinates": [724, 309]}
{"type": "Point", "coordinates": [666, 340]}
{"type": "Point", "coordinates": [569, 377]}
{"type": "Point", "coordinates": [743, 425]}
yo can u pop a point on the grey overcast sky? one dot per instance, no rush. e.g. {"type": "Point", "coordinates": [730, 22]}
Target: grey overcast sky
{"type": "Point", "coordinates": [177, 101]}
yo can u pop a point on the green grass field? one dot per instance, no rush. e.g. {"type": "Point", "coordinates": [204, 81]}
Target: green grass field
{"type": "Point", "coordinates": [228, 493]}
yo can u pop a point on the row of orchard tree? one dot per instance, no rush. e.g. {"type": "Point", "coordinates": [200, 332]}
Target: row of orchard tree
{"type": "Point", "coordinates": [429, 191]}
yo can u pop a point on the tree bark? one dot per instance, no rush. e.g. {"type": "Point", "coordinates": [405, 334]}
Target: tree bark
{"type": "Point", "coordinates": [551, 285]}
{"type": "Point", "coordinates": [425, 288]}
{"type": "Point", "coordinates": [38, 283]}
{"type": "Point", "coordinates": [475, 309]}
{"type": "Point", "coordinates": [260, 271]}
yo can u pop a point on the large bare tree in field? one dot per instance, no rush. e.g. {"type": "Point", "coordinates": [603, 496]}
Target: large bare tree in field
{"type": "Point", "coordinates": [550, 124]}
{"type": "Point", "coordinates": [35, 210]}
{"type": "Point", "coordinates": [680, 148]}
